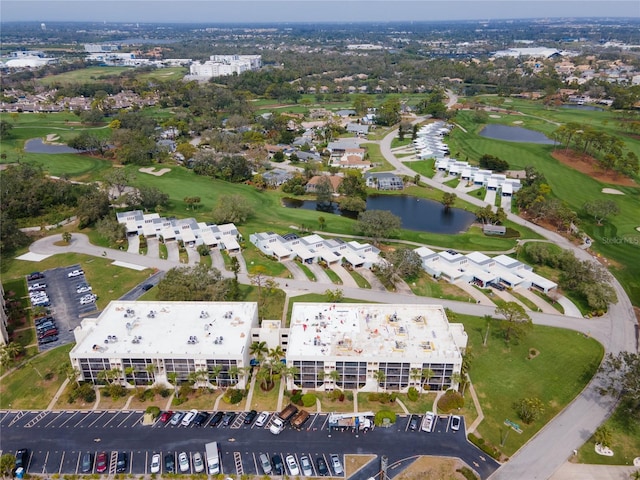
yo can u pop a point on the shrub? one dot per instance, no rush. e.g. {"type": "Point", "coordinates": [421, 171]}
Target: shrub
{"type": "Point", "coordinates": [297, 398]}
{"type": "Point", "coordinates": [185, 390]}
{"type": "Point", "coordinates": [308, 400]}
{"type": "Point", "coordinates": [381, 415]}
{"type": "Point", "coordinates": [529, 409]}
{"type": "Point", "coordinates": [153, 410]}
{"type": "Point", "coordinates": [467, 473]}
{"type": "Point", "coordinates": [115, 391]}
{"type": "Point", "coordinates": [341, 397]}
{"type": "Point", "coordinates": [451, 400]}
{"type": "Point", "coordinates": [233, 396]}
{"type": "Point", "coordinates": [413, 394]}
{"type": "Point", "coordinates": [335, 394]}
{"type": "Point", "coordinates": [177, 401]}
{"type": "Point", "coordinates": [485, 446]}
{"type": "Point", "coordinates": [164, 392]}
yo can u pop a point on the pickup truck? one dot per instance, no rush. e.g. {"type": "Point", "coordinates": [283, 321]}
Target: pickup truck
{"type": "Point", "coordinates": [278, 422]}
{"type": "Point", "coordinates": [298, 420]}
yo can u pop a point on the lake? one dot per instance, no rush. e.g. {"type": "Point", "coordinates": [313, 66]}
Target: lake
{"type": "Point", "coordinates": [576, 106]}
{"type": "Point", "coordinates": [514, 134]}
{"type": "Point", "coordinates": [416, 213]}
{"type": "Point", "coordinates": [36, 145]}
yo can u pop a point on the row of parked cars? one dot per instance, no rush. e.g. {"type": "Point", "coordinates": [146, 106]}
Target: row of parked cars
{"type": "Point", "coordinates": [46, 330]}
{"type": "Point", "coordinates": [37, 290]}
{"type": "Point", "coordinates": [200, 419]}
{"type": "Point", "coordinates": [183, 463]}
{"type": "Point", "coordinates": [277, 466]}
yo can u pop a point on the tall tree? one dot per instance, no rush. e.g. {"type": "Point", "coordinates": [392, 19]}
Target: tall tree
{"type": "Point", "coordinates": [600, 210]}
{"type": "Point", "coordinates": [378, 224]}
{"type": "Point", "coordinates": [448, 199]}
{"type": "Point", "coordinates": [516, 321]}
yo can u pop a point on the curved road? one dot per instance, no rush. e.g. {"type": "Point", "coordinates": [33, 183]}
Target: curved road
{"type": "Point", "coordinates": [553, 445]}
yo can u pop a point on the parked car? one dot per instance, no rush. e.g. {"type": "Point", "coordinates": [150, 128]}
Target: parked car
{"type": "Point", "coordinates": [166, 416]}
{"type": "Point", "coordinates": [155, 463]}
{"type": "Point", "coordinates": [188, 418]}
{"type": "Point", "coordinates": [169, 463]}
{"type": "Point", "coordinates": [323, 470]}
{"type": "Point", "coordinates": [37, 286]}
{"type": "Point", "coordinates": [87, 299]}
{"type": "Point", "coordinates": [305, 466]}
{"type": "Point", "coordinates": [292, 465]}
{"type": "Point", "coordinates": [83, 289]}
{"type": "Point", "coordinates": [228, 418]}
{"type": "Point", "coordinates": [175, 420]}
{"type": "Point", "coordinates": [336, 465]}
{"type": "Point", "coordinates": [101, 462]}
{"type": "Point", "coordinates": [75, 273]}
{"type": "Point", "coordinates": [198, 463]}
{"type": "Point", "coordinates": [262, 419]}
{"type": "Point", "coordinates": [122, 462]}
{"type": "Point", "coordinates": [86, 465]}
{"type": "Point", "coordinates": [35, 276]}
{"type": "Point", "coordinates": [45, 340]}
{"type": "Point", "coordinates": [48, 333]}
{"type": "Point", "coordinates": [41, 320]}
{"type": "Point", "coordinates": [414, 423]}
{"type": "Point", "coordinates": [217, 418]}
{"type": "Point", "coordinates": [201, 419]}
{"type": "Point", "coordinates": [22, 458]}
{"type": "Point", "coordinates": [278, 466]}
{"type": "Point", "coordinates": [250, 417]}
{"type": "Point", "coordinates": [147, 286]}
{"type": "Point", "coordinates": [265, 464]}
{"type": "Point", "coordinates": [455, 423]}
{"type": "Point", "coordinates": [183, 462]}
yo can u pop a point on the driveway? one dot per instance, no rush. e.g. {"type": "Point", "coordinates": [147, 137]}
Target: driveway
{"type": "Point", "coordinates": [540, 303]}
{"type": "Point", "coordinates": [318, 271]}
{"type": "Point", "coordinates": [476, 294]}
{"type": "Point", "coordinates": [372, 279]}
{"type": "Point", "coordinates": [505, 203]}
{"type": "Point", "coordinates": [216, 259]}
{"type": "Point", "coordinates": [345, 276]}
{"type": "Point", "coordinates": [194, 256]}
{"type": "Point", "coordinates": [173, 251]}
{"type": "Point", "coordinates": [134, 244]}
{"type": "Point", "coordinates": [296, 272]}
{"type": "Point", "coordinates": [570, 308]}
{"type": "Point", "coordinates": [153, 247]}
{"type": "Point", "coordinates": [490, 197]}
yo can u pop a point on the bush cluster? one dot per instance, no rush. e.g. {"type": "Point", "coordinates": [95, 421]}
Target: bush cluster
{"type": "Point", "coordinates": [337, 395]}
{"type": "Point", "coordinates": [153, 410]}
{"type": "Point", "coordinates": [451, 400]}
{"type": "Point", "coordinates": [383, 397]}
{"type": "Point", "coordinates": [309, 400]}
{"type": "Point", "coordinates": [413, 394]}
{"type": "Point", "coordinates": [381, 415]}
{"type": "Point", "coordinates": [485, 446]}
{"type": "Point", "coordinates": [84, 391]}
{"type": "Point", "coordinates": [233, 396]}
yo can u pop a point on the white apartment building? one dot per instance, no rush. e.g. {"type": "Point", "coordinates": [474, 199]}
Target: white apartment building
{"type": "Point", "coordinates": [224, 65]}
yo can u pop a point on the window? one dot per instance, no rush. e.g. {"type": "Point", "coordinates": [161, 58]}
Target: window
{"type": "Point", "coordinates": [396, 375]}
{"type": "Point", "coordinates": [308, 374]}
{"type": "Point", "coordinates": [91, 368]}
{"type": "Point", "coordinates": [353, 375]}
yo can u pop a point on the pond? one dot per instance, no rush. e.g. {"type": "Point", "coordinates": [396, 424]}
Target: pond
{"type": "Point", "coordinates": [416, 213]}
{"type": "Point", "coordinates": [514, 134]}
{"type": "Point", "coordinates": [575, 106]}
{"type": "Point", "coordinates": [36, 145]}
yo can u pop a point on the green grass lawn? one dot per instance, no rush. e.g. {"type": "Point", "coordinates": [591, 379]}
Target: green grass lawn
{"type": "Point", "coordinates": [333, 276]}
{"type": "Point", "coordinates": [28, 387]}
{"type": "Point", "coordinates": [376, 157]}
{"type": "Point", "coordinates": [566, 362]}
{"type": "Point", "coordinates": [84, 75]}
{"type": "Point", "coordinates": [360, 280]}
{"type": "Point", "coordinates": [423, 167]}
{"type": "Point", "coordinates": [396, 142]}
{"type": "Point", "coordinates": [310, 275]}
{"type": "Point", "coordinates": [426, 286]}
{"type": "Point", "coordinates": [255, 258]}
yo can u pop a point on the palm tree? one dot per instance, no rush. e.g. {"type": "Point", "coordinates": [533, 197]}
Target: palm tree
{"type": "Point", "coordinates": [380, 377]}
{"type": "Point", "coordinates": [427, 373]}
{"type": "Point", "coordinates": [233, 372]}
{"type": "Point", "coordinates": [130, 372]}
{"type": "Point", "coordinates": [265, 380]}
{"type": "Point", "coordinates": [291, 371]}
{"type": "Point", "coordinates": [258, 350]}
{"type": "Point", "coordinates": [172, 377]}
{"type": "Point", "coordinates": [456, 378]}
{"type": "Point", "coordinates": [635, 475]}
{"type": "Point", "coordinates": [335, 376]}
{"type": "Point", "coordinates": [276, 353]}
{"type": "Point", "coordinates": [151, 371]}
{"type": "Point", "coordinates": [215, 371]}
{"type": "Point", "coordinates": [416, 375]}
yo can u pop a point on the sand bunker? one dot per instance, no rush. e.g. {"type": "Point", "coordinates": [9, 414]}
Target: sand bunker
{"type": "Point", "coordinates": [612, 191]}
{"type": "Point", "coordinates": [518, 122]}
{"type": "Point", "coordinates": [152, 171]}
{"type": "Point", "coordinates": [52, 137]}
{"type": "Point", "coordinates": [494, 116]}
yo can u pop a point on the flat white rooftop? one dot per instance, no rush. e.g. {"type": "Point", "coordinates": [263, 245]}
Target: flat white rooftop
{"type": "Point", "coordinates": [371, 332]}
{"type": "Point", "coordinates": [167, 330]}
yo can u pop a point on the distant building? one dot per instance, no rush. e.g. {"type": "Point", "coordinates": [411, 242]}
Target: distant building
{"type": "Point", "coordinates": [225, 65]}
{"type": "Point", "coordinates": [384, 181]}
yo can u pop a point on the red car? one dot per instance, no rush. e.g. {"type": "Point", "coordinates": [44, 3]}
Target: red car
{"type": "Point", "coordinates": [101, 462]}
{"type": "Point", "coordinates": [166, 416]}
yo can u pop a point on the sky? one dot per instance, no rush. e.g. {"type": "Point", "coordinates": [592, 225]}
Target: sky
{"type": "Point", "coordinates": [271, 11]}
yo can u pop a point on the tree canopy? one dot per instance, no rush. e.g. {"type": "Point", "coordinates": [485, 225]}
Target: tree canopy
{"type": "Point", "coordinates": [378, 224]}
{"type": "Point", "coordinates": [197, 283]}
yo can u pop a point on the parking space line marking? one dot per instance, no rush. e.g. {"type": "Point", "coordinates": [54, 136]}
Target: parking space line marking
{"type": "Point", "coordinates": [85, 415]}
{"type": "Point", "coordinates": [44, 465]}
{"type": "Point", "coordinates": [98, 417]}
{"type": "Point", "coordinates": [125, 419]}
{"type": "Point", "coordinates": [18, 416]}
{"type": "Point", "coordinates": [114, 415]}
{"type": "Point", "coordinates": [237, 456]}
{"type": "Point", "coordinates": [324, 423]}
{"type": "Point", "coordinates": [61, 463]}
{"type": "Point", "coordinates": [78, 462]}
{"type": "Point", "coordinates": [36, 419]}
{"type": "Point", "coordinates": [54, 419]}
{"type": "Point", "coordinates": [73, 414]}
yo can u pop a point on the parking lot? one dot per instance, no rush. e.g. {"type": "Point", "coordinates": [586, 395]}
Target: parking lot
{"type": "Point", "coordinates": [64, 301]}
{"type": "Point", "coordinates": [57, 440]}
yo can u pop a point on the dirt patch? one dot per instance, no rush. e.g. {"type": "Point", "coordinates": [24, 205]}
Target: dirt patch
{"type": "Point", "coordinates": [589, 166]}
{"type": "Point", "coordinates": [153, 171]}
{"type": "Point", "coordinates": [433, 467]}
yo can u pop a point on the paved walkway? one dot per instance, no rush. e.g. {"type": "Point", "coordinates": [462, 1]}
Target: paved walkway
{"type": "Point", "coordinates": [476, 403]}
{"type": "Point", "coordinates": [252, 386]}
{"type": "Point", "coordinates": [60, 391]}
{"type": "Point", "coordinates": [402, 406]}
{"type": "Point", "coordinates": [579, 471]}
{"type": "Point", "coordinates": [281, 396]}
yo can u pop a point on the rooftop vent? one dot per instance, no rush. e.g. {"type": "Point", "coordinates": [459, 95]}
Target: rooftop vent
{"type": "Point", "coordinates": [136, 339]}
{"type": "Point", "coordinates": [218, 340]}
{"type": "Point", "coordinates": [229, 314]}
{"type": "Point", "coordinates": [111, 339]}
{"type": "Point", "coordinates": [192, 340]}
{"type": "Point", "coordinates": [204, 314]}
{"type": "Point", "coordinates": [151, 314]}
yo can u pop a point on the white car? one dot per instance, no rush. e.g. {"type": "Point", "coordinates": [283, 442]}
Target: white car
{"type": "Point", "coordinates": [83, 289]}
{"type": "Point", "coordinates": [75, 273]}
{"type": "Point", "coordinates": [198, 463]}
{"type": "Point", "coordinates": [262, 419]}
{"type": "Point", "coordinates": [188, 418]}
{"type": "Point", "coordinates": [455, 423]}
{"type": "Point", "coordinates": [183, 462]}
{"type": "Point", "coordinates": [292, 465]}
{"type": "Point", "coordinates": [305, 465]}
{"type": "Point", "coordinates": [37, 286]}
{"type": "Point", "coordinates": [335, 463]}
{"type": "Point", "coordinates": [155, 463]}
{"type": "Point", "coordinates": [87, 299]}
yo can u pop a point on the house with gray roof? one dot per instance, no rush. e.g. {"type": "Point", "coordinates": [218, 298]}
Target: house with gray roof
{"type": "Point", "coordinates": [383, 181]}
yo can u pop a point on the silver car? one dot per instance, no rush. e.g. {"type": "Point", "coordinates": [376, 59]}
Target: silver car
{"type": "Point", "coordinates": [336, 465]}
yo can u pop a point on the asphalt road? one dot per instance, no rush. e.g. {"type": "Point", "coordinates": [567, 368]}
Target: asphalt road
{"type": "Point", "coordinates": [56, 441]}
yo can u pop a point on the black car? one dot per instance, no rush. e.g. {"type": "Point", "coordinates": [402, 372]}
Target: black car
{"type": "Point", "coordinates": [147, 286]}
{"type": "Point", "coordinates": [45, 340]}
{"type": "Point", "coordinates": [201, 419]}
{"type": "Point", "coordinates": [169, 463]}
{"type": "Point", "coordinates": [35, 276]}
{"type": "Point", "coordinates": [322, 467]}
{"type": "Point", "coordinates": [22, 457]}
{"type": "Point", "coordinates": [228, 418]}
{"type": "Point", "coordinates": [86, 465]}
{"type": "Point", "coordinates": [278, 466]}
{"type": "Point", "coordinates": [251, 416]}
{"type": "Point", "coordinates": [122, 462]}
{"type": "Point", "coordinates": [217, 418]}
{"type": "Point", "coordinates": [414, 423]}
{"type": "Point", "coordinates": [41, 320]}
